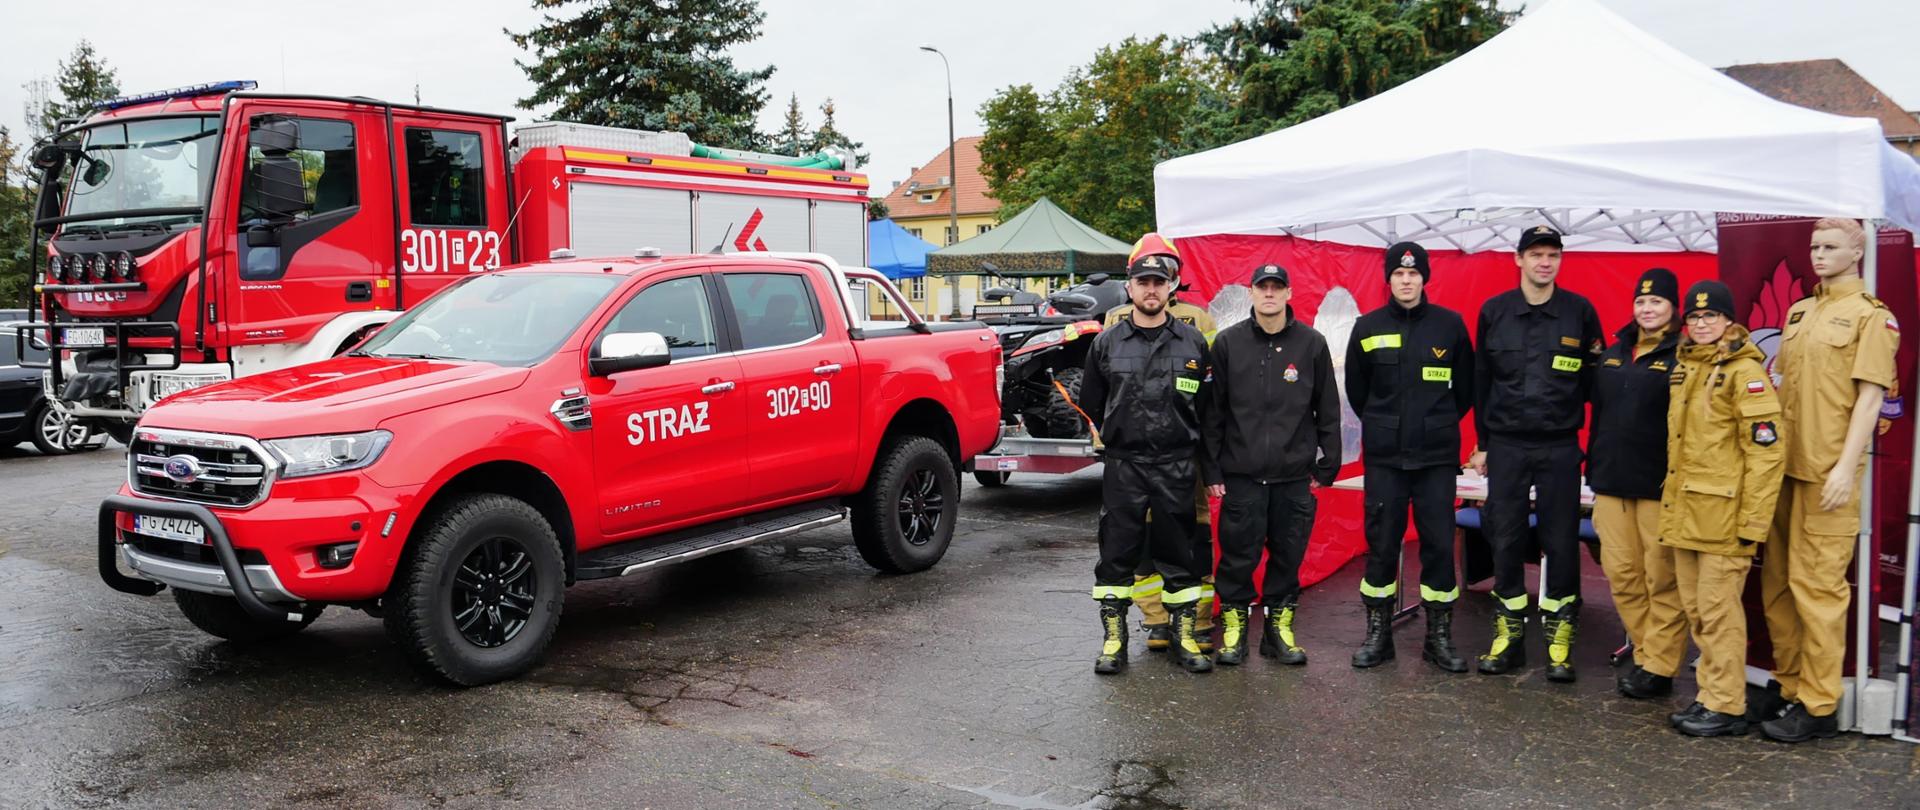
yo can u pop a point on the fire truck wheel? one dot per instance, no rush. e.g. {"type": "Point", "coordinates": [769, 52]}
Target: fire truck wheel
{"type": "Point", "coordinates": [903, 520]}
{"type": "Point", "coordinates": [224, 617]}
{"type": "Point", "coordinates": [477, 597]}
{"type": "Point", "coordinates": [991, 478]}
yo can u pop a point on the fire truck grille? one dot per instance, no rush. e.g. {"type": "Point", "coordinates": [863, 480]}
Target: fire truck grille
{"type": "Point", "coordinates": [218, 477]}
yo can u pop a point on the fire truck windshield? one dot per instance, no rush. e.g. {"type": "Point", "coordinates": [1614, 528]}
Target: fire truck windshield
{"type": "Point", "coordinates": [508, 319]}
{"type": "Point", "coordinates": [126, 168]}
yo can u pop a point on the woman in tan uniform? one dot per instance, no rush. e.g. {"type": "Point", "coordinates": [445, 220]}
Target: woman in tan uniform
{"type": "Point", "coordinates": [1724, 465]}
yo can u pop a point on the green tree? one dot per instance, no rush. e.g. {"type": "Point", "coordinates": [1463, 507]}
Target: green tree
{"type": "Point", "coordinates": [17, 262]}
{"type": "Point", "coordinates": [649, 64]}
{"type": "Point", "coordinates": [877, 209]}
{"type": "Point", "coordinates": [793, 136]}
{"type": "Point", "coordinates": [84, 80]}
{"type": "Point", "coordinates": [829, 134]}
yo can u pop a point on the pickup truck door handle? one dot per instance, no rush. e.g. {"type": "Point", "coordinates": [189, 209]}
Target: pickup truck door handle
{"type": "Point", "coordinates": [827, 370]}
{"type": "Point", "coordinates": [717, 388]}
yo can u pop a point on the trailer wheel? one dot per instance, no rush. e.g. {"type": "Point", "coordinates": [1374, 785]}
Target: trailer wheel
{"type": "Point", "coordinates": [903, 520]}
{"type": "Point", "coordinates": [477, 599]}
{"type": "Point", "coordinates": [992, 479]}
{"type": "Point", "coordinates": [224, 617]}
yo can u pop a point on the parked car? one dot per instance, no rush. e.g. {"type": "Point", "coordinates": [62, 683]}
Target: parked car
{"type": "Point", "coordinates": [25, 415]}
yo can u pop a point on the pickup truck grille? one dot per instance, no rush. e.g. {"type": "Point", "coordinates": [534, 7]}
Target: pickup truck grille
{"type": "Point", "coordinates": [198, 467]}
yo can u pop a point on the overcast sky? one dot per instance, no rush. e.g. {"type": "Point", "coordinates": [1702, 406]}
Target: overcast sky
{"type": "Point", "coordinates": [862, 53]}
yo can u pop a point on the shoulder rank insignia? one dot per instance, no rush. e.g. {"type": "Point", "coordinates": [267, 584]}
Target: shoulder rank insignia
{"type": "Point", "coordinates": [1795, 317]}
{"type": "Point", "coordinates": [1612, 362]}
{"type": "Point", "coordinates": [1441, 354]}
{"type": "Point", "coordinates": [1658, 365]}
{"type": "Point", "coordinates": [1570, 342]}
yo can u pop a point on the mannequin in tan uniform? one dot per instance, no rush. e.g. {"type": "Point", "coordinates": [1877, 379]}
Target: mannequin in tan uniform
{"type": "Point", "coordinates": [1836, 364]}
{"type": "Point", "coordinates": [1147, 585]}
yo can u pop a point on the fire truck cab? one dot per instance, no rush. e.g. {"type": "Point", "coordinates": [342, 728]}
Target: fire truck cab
{"type": "Point", "coordinates": [213, 232]}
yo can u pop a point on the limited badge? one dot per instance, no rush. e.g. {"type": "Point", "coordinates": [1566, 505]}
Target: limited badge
{"type": "Point", "coordinates": [1795, 317]}
{"type": "Point", "coordinates": [1612, 362]}
{"type": "Point", "coordinates": [1291, 374]}
{"type": "Point", "coordinates": [1566, 364]}
{"type": "Point", "coordinates": [1756, 387]}
{"type": "Point", "coordinates": [1187, 385]}
{"type": "Point", "coordinates": [1764, 434]}
{"type": "Point", "coordinates": [1570, 342]}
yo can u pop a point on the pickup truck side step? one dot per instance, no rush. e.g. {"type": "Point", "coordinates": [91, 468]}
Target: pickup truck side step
{"type": "Point", "coordinates": [653, 552]}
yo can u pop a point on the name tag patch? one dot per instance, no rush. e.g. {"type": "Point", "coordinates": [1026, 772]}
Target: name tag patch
{"type": "Point", "coordinates": [1436, 374]}
{"type": "Point", "coordinates": [1566, 363]}
{"type": "Point", "coordinates": [1186, 385]}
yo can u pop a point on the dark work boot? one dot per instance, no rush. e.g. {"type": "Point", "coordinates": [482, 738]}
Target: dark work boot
{"type": "Point", "coordinates": [1233, 635]}
{"type": "Point", "coordinates": [1560, 627]}
{"type": "Point", "coordinates": [1438, 648]}
{"type": "Point", "coordinates": [1185, 650]}
{"type": "Point", "coordinates": [1509, 649]}
{"type": "Point", "coordinates": [1640, 684]}
{"type": "Point", "coordinates": [1798, 726]}
{"type": "Point", "coordinates": [1765, 703]}
{"type": "Point", "coordinates": [1690, 712]}
{"type": "Point", "coordinates": [1377, 648]}
{"type": "Point", "coordinates": [1277, 642]}
{"type": "Point", "coordinates": [1709, 723]}
{"type": "Point", "coordinates": [1159, 636]}
{"type": "Point", "coordinates": [1113, 648]}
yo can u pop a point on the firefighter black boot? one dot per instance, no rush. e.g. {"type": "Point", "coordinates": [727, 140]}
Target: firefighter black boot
{"type": "Point", "coordinates": [1509, 650]}
{"type": "Point", "coordinates": [1277, 641]}
{"type": "Point", "coordinates": [1438, 648]}
{"type": "Point", "coordinates": [1113, 648]}
{"type": "Point", "coordinates": [1560, 627]}
{"type": "Point", "coordinates": [1186, 649]}
{"type": "Point", "coordinates": [1377, 649]}
{"type": "Point", "coordinates": [1233, 635]}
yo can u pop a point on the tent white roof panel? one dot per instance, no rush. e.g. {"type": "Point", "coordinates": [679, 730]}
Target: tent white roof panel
{"type": "Point", "coordinates": [1572, 115]}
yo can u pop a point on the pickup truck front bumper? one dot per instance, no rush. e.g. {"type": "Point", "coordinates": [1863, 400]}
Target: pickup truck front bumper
{"type": "Point", "coordinates": [229, 578]}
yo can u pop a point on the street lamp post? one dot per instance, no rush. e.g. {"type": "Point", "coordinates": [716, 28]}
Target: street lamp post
{"type": "Point", "coordinates": [953, 182]}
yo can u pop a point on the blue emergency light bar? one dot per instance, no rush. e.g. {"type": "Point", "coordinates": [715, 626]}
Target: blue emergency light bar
{"type": "Point", "coordinates": [178, 92]}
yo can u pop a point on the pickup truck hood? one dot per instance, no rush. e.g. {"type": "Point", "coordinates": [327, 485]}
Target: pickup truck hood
{"type": "Point", "coordinates": [340, 395]}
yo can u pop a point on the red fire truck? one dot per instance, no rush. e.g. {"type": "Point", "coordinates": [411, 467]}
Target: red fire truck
{"type": "Point", "coordinates": [212, 232]}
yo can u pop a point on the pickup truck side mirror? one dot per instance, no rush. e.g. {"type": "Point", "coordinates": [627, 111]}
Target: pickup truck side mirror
{"type": "Point", "coordinates": [626, 351]}
{"type": "Point", "coordinates": [278, 182]}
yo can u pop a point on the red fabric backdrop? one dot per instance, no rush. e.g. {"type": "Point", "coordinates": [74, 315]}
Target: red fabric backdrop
{"type": "Point", "coordinates": [1459, 281]}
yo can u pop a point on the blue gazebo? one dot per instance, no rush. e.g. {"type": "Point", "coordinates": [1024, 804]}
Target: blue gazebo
{"type": "Point", "coordinates": [894, 252]}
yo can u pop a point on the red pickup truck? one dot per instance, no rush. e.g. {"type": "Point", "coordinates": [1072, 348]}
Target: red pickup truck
{"type": "Point", "coordinates": [528, 428]}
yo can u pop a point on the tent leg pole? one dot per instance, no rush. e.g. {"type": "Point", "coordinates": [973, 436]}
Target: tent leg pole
{"type": "Point", "coordinates": [1863, 607]}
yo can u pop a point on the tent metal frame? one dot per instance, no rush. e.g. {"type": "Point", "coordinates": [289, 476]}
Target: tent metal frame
{"type": "Point", "coordinates": [1470, 230]}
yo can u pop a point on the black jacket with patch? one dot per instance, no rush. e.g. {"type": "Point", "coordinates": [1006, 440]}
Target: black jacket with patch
{"type": "Point", "coordinates": [1142, 389]}
{"type": "Point", "coordinates": [1533, 366]}
{"type": "Point", "coordinates": [1627, 448]}
{"type": "Point", "coordinates": [1274, 411]}
{"type": "Point", "coordinates": [1410, 380]}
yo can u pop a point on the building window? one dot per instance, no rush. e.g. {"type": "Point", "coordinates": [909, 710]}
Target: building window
{"type": "Point", "coordinates": [926, 198]}
{"type": "Point", "coordinates": [950, 239]}
{"type": "Point", "coordinates": [983, 229]}
{"type": "Point", "coordinates": [915, 232]}
{"type": "Point", "coordinates": [917, 288]}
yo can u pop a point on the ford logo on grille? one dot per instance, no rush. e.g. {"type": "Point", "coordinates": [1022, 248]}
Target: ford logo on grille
{"type": "Point", "coordinates": [183, 468]}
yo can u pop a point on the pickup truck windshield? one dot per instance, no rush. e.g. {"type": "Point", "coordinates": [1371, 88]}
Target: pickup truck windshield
{"type": "Point", "coordinates": [155, 164]}
{"type": "Point", "coordinates": [511, 319]}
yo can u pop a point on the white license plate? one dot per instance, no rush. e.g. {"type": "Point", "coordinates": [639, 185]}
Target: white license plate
{"type": "Point", "coordinates": [167, 385]}
{"type": "Point", "coordinates": [182, 529]}
{"type": "Point", "coordinates": [1004, 464]}
{"type": "Point", "coordinates": [84, 337]}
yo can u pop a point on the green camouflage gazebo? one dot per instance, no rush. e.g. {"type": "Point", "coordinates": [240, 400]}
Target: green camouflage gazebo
{"type": "Point", "coordinates": [1040, 241]}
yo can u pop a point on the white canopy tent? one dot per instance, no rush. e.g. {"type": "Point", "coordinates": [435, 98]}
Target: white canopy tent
{"type": "Point", "coordinates": [1572, 116]}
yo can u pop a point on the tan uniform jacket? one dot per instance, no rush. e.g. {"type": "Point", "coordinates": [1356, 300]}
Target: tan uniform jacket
{"type": "Point", "coordinates": [1193, 316]}
{"type": "Point", "coordinates": [1724, 449]}
{"type": "Point", "coordinates": [1832, 340]}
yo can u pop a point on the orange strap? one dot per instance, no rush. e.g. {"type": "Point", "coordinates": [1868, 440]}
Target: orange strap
{"type": "Point", "coordinates": [1076, 409]}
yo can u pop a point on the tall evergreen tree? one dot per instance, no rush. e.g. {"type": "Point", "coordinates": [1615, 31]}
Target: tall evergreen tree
{"type": "Point", "coordinates": [649, 64]}
{"type": "Point", "coordinates": [829, 134]}
{"type": "Point", "coordinates": [793, 136]}
{"type": "Point", "coordinates": [84, 79]}
{"type": "Point", "coordinates": [17, 261]}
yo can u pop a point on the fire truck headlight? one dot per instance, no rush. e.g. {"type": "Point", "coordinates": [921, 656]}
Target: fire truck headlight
{"type": "Point", "coordinates": [71, 268]}
{"type": "Point", "coordinates": [315, 455]}
{"type": "Point", "coordinates": [53, 269]}
{"type": "Point", "coordinates": [102, 265]}
{"type": "Point", "coordinates": [123, 266]}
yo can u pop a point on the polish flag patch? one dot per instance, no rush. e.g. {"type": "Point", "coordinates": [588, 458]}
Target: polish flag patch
{"type": "Point", "coordinates": [1756, 387]}
{"type": "Point", "coordinates": [1893, 324]}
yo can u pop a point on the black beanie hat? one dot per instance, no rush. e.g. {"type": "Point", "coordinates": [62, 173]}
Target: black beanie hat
{"type": "Point", "coordinates": [1408, 254]}
{"type": "Point", "coordinates": [1658, 281]}
{"type": "Point", "coordinates": [1711, 295]}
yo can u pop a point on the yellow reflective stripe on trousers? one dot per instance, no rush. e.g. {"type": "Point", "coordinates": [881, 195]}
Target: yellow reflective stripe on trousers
{"type": "Point", "coordinates": [1147, 586]}
{"type": "Point", "coordinates": [1378, 591]}
{"type": "Point", "coordinates": [1514, 603]}
{"type": "Point", "coordinates": [1184, 596]}
{"type": "Point", "coordinates": [1380, 342]}
{"type": "Point", "coordinates": [1430, 595]}
{"type": "Point", "coordinates": [1111, 592]}
{"type": "Point", "coordinates": [1554, 605]}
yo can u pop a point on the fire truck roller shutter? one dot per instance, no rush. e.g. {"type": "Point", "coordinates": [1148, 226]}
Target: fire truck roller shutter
{"type": "Point", "coordinates": [609, 220]}
{"type": "Point", "coordinates": [840, 231]}
{"type": "Point", "coordinates": [747, 222]}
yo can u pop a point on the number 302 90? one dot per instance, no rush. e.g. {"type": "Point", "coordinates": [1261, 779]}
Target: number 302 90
{"type": "Point", "coordinates": [793, 400]}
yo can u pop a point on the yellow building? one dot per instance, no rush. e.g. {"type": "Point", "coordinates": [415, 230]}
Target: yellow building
{"type": "Point", "coordinates": [923, 207]}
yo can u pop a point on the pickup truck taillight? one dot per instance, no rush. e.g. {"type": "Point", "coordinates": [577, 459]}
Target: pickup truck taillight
{"type": "Point", "coordinates": [999, 376]}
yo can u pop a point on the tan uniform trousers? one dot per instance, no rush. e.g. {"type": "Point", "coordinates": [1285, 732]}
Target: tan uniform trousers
{"type": "Point", "coordinates": [1640, 571]}
{"type": "Point", "coordinates": [1710, 587]}
{"type": "Point", "coordinates": [1803, 586]}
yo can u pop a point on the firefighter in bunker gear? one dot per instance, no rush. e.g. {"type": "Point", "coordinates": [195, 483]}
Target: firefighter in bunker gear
{"type": "Point", "coordinates": [1410, 380]}
{"type": "Point", "coordinates": [1836, 364]}
{"type": "Point", "coordinates": [1143, 386]}
{"type": "Point", "coordinates": [1724, 458]}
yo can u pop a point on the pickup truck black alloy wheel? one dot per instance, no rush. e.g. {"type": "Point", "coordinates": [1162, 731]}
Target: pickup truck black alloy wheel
{"type": "Point", "coordinates": [224, 617]}
{"type": "Point", "coordinates": [478, 596]}
{"type": "Point", "coordinates": [903, 521]}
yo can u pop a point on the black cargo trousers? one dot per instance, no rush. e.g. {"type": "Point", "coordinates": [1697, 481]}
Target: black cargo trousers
{"type": "Point", "coordinates": [1131, 489]}
{"type": "Point", "coordinates": [1430, 491]}
{"type": "Point", "coordinates": [1257, 515]}
{"type": "Point", "coordinates": [1551, 469]}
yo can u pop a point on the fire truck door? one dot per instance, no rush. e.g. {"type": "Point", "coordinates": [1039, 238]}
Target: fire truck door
{"type": "Point", "coordinates": [314, 224]}
{"type": "Point", "coordinates": [453, 201]}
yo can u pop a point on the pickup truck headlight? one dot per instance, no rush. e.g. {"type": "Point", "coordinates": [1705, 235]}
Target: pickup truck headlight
{"type": "Point", "coordinates": [313, 455]}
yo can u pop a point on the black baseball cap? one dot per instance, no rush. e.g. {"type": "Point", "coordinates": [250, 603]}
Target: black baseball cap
{"type": "Point", "coordinates": [1154, 265]}
{"type": "Point", "coordinates": [1270, 272]}
{"type": "Point", "coordinates": [1536, 235]}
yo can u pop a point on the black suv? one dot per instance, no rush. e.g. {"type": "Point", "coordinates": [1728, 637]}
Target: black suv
{"type": "Point", "coordinates": [25, 415]}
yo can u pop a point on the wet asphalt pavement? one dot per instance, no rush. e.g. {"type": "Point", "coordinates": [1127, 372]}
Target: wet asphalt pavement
{"type": "Point", "coordinates": [793, 676]}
